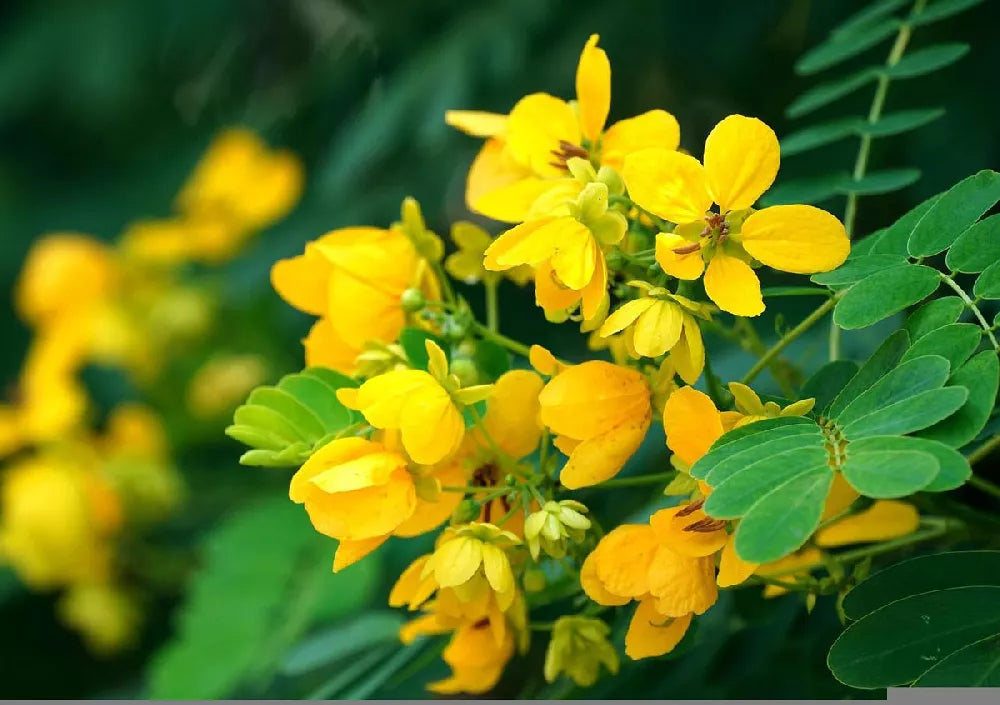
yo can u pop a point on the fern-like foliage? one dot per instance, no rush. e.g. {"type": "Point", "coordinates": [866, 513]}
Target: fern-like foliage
{"type": "Point", "coordinates": [887, 22]}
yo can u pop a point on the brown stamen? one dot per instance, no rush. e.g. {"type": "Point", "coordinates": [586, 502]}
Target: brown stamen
{"type": "Point", "coordinates": [706, 526]}
{"type": "Point", "coordinates": [566, 151]}
{"type": "Point", "coordinates": [691, 508]}
{"type": "Point", "coordinates": [687, 249]}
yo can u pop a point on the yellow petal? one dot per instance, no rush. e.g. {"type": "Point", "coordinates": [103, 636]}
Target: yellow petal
{"type": "Point", "coordinates": [498, 187]}
{"type": "Point", "coordinates": [593, 88]}
{"type": "Point", "coordinates": [593, 586]}
{"type": "Point", "coordinates": [325, 348]}
{"type": "Point", "coordinates": [477, 123]}
{"type": "Point", "coordinates": [334, 453]}
{"type": "Point", "coordinates": [841, 496]}
{"type": "Point", "coordinates": [365, 513]}
{"type": "Point", "coordinates": [425, 625]}
{"type": "Point", "coordinates": [671, 531]}
{"type": "Point", "coordinates": [692, 424]}
{"type": "Point", "coordinates": [592, 398]}
{"type": "Point", "coordinates": [799, 239]}
{"type": "Point", "coordinates": [623, 557]}
{"type": "Point", "coordinates": [381, 398]}
{"type": "Point", "coordinates": [670, 184]}
{"type": "Point", "coordinates": [432, 428]}
{"type": "Point", "coordinates": [543, 361]}
{"type": "Point", "coordinates": [409, 584]}
{"type": "Point", "coordinates": [686, 265]}
{"type": "Point", "coordinates": [733, 570]}
{"type": "Point", "coordinates": [625, 316]}
{"type": "Point", "coordinates": [652, 634]}
{"type": "Point", "coordinates": [741, 161]}
{"type": "Point", "coordinates": [884, 520]}
{"type": "Point", "coordinates": [658, 329]}
{"type": "Point", "coordinates": [655, 128]}
{"type": "Point", "coordinates": [688, 356]}
{"type": "Point", "coordinates": [511, 203]}
{"type": "Point", "coordinates": [350, 552]}
{"type": "Point", "coordinates": [302, 281]}
{"type": "Point", "coordinates": [527, 243]}
{"type": "Point", "coordinates": [551, 294]}
{"type": "Point", "coordinates": [497, 570]}
{"type": "Point", "coordinates": [535, 127]}
{"type": "Point", "coordinates": [576, 252]}
{"type": "Point", "coordinates": [681, 584]}
{"type": "Point", "coordinates": [429, 515]}
{"type": "Point", "coordinates": [368, 470]}
{"type": "Point", "coordinates": [457, 560]}
{"type": "Point", "coordinates": [512, 412]}
{"type": "Point", "coordinates": [733, 286]}
{"type": "Point", "coordinates": [594, 300]}
{"type": "Point", "coordinates": [601, 457]}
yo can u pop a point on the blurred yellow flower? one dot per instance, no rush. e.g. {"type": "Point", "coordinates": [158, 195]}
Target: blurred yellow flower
{"type": "Point", "coordinates": [579, 647]}
{"type": "Point", "coordinates": [476, 660]}
{"type": "Point", "coordinates": [106, 616]}
{"type": "Point", "coordinates": [223, 382]}
{"type": "Point", "coordinates": [600, 413]}
{"type": "Point", "coordinates": [740, 163]}
{"type": "Point", "coordinates": [466, 264]}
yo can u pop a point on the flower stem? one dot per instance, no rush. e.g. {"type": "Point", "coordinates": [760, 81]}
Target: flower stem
{"type": "Point", "coordinates": [971, 305]}
{"type": "Point", "coordinates": [984, 450]}
{"type": "Point", "coordinates": [787, 338]}
{"type": "Point", "coordinates": [492, 304]}
{"type": "Point", "coordinates": [657, 478]}
{"type": "Point", "coordinates": [502, 340]}
{"type": "Point", "coordinates": [985, 485]}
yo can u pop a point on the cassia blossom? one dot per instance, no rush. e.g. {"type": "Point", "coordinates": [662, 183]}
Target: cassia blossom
{"type": "Point", "coordinates": [740, 163]}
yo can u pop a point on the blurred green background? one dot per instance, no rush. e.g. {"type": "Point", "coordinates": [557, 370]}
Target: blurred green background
{"type": "Point", "coordinates": [106, 105]}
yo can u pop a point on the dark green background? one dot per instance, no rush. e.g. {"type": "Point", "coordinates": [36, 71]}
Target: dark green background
{"type": "Point", "coordinates": [106, 105]}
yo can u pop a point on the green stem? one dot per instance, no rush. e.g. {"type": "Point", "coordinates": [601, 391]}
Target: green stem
{"type": "Point", "coordinates": [984, 450]}
{"type": "Point", "coordinates": [971, 305]}
{"type": "Point", "coordinates": [660, 477]}
{"type": "Point", "coordinates": [787, 338]}
{"type": "Point", "coordinates": [492, 305]}
{"type": "Point", "coordinates": [474, 489]}
{"type": "Point", "coordinates": [985, 485]}
{"type": "Point", "coordinates": [502, 340]}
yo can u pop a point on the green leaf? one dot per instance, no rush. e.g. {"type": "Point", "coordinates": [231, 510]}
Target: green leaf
{"type": "Point", "coordinates": [264, 575]}
{"type": "Point", "coordinates": [894, 645]}
{"type": "Point", "coordinates": [784, 519]}
{"type": "Point", "coordinates": [922, 574]}
{"type": "Point", "coordinates": [413, 341]}
{"type": "Point", "coordinates": [894, 238]}
{"type": "Point", "coordinates": [955, 342]}
{"type": "Point", "coordinates": [828, 381]}
{"type": "Point", "coordinates": [901, 382]}
{"type": "Point", "coordinates": [492, 360]}
{"type": "Point", "coordinates": [987, 285]}
{"type": "Point", "coordinates": [933, 315]}
{"type": "Point", "coordinates": [954, 467]}
{"type": "Point", "coordinates": [940, 9]}
{"type": "Point", "coordinates": [981, 377]}
{"type": "Point", "coordinates": [888, 467]}
{"type": "Point", "coordinates": [807, 190]}
{"type": "Point", "coordinates": [909, 415]}
{"type": "Point", "coordinates": [845, 45]}
{"type": "Point", "coordinates": [284, 423]}
{"type": "Point", "coordinates": [884, 293]}
{"type": "Point", "coordinates": [747, 437]}
{"type": "Point", "coordinates": [342, 640]}
{"type": "Point", "coordinates": [901, 121]}
{"type": "Point", "coordinates": [767, 445]}
{"type": "Point", "coordinates": [854, 269]}
{"type": "Point", "coordinates": [826, 93]}
{"type": "Point", "coordinates": [884, 359]}
{"type": "Point", "coordinates": [976, 665]}
{"type": "Point", "coordinates": [877, 182]}
{"type": "Point", "coordinates": [818, 135]}
{"type": "Point", "coordinates": [958, 208]}
{"type": "Point", "coordinates": [744, 487]}
{"type": "Point", "coordinates": [867, 15]}
{"type": "Point", "coordinates": [976, 248]}
{"type": "Point", "coordinates": [927, 60]}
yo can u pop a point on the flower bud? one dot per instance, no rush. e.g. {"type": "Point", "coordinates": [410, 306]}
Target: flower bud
{"type": "Point", "coordinates": [578, 647]}
{"type": "Point", "coordinates": [554, 527]}
{"type": "Point", "coordinates": [412, 300]}
{"type": "Point", "coordinates": [465, 370]}
{"type": "Point", "coordinates": [466, 511]}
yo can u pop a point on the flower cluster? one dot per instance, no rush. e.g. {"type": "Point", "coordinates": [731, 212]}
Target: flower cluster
{"type": "Point", "coordinates": [645, 248]}
{"type": "Point", "coordinates": [80, 480]}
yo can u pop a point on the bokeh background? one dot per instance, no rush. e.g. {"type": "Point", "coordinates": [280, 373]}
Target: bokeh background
{"type": "Point", "coordinates": [105, 107]}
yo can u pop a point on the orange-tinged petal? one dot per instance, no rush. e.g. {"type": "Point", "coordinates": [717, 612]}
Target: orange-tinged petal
{"type": "Point", "coordinates": [593, 586]}
{"type": "Point", "coordinates": [477, 123]}
{"type": "Point", "coordinates": [302, 281]}
{"type": "Point", "coordinates": [430, 515]}
{"type": "Point", "coordinates": [692, 424]}
{"type": "Point", "coordinates": [600, 458]}
{"type": "Point", "coordinates": [671, 532]}
{"type": "Point", "coordinates": [626, 315]}
{"type": "Point", "coordinates": [512, 413]}
{"type": "Point", "coordinates": [494, 169]}
{"type": "Point", "coordinates": [550, 293]}
{"type": "Point", "coordinates": [685, 265]}
{"type": "Point", "coordinates": [431, 426]}
{"type": "Point", "coordinates": [681, 584]}
{"type": "Point", "coordinates": [652, 634]}
{"type": "Point", "coordinates": [381, 399]}
{"type": "Point", "coordinates": [799, 239]}
{"type": "Point", "coordinates": [575, 258]}
{"type": "Point", "coordinates": [688, 356]}
{"type": "Point", "coordinates": [733, 286]}
{"type": "Point", "coordinates": [350, 552]}
{"type": "Point", "coordinates": [366, 513]}
{"type": "Point", "coordinates": [410, 584]}
{"type": "Point", "coordinates": [658, 329]}
{"type": "Point", "coordinates": [535, 127]}
{"type": "Point", "coordinates": [623, 557]}
{"type": "Point", "coordinates": [885, 519]}
{"type": "Point", "coordinates": [593, 88]}
{"type": "Point", "coordinates": [841, 496]}
{"type": "Point", "coordinates": [592, 398]}
{"type": "Point", "coordinates": [325, 348]}
{"type": "Point", "coordinates": [531, 243]}
{"type": "Point", "coordinates": [733, 570]}
{"type": "Point", "coordinates": [655, 128]}
{"type": "Point", "coordinates": [594, 296]}
{"type": "Point", "coordinates": [741, 161]}
{"type": "Point", "coordinates": [424, 625]}
{"type": "Point", "coordinates": [543, 361]}
{"type": "Point", "coordinates": [334, 453]}
{"type": "Point", "coordinates": [670, 184]}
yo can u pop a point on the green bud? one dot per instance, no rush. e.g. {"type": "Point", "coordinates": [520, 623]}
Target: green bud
{"type": "Point", "coordinates": [412, 300]}
{"type": "Point", "coordinates": [554, 527]}
{"type": "Point", "coordinates": [610, 178]}
{"type": "Point", "coordinates": [534, 580]}
{"type": "Point", "coordinates": [454, 329]}
{"type": "Point", "coordinates": [592, 202]}
{"type": "Point", "coordinates": [581, 169]}
{"type": "Point", "coordinates": [465, 370]}
{"type": "Point", "coordinates": [610, 228]}
{"type": "Point", "coordinates": [579, 647]}
{"type": "Point", "coordinates": [615, 259]}
{"type": "Point", "coordinates": [466, 511]}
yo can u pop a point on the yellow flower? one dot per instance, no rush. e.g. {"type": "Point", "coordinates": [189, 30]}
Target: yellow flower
{"type": "Point", "coordinates": [354, 279]}
{"type": "Point", "coordinates": [600, 413]}
{"type": "Point", "coordinates": [579, 647]}
{"type": "Point", "coordinates": [360, 492]}
{"type": "Point", "coordinates": [884, 520]}
{"type": "Point", "coordinates": [476, 660]}
{"type": "Point", "coordinates": [741, 161]}
{"type": "Point", "coordinates": [555, 526]}
{"type": "Point", "coordinates": [466, 555]}
{"type": "Point", "coordinates": [466, 264]}
{"type": "Point", "coordinates": [56, 516]}
{"type": "Point", "coordinates": [106, 616]}
{"type": "Point", "coordinates": [531, 146]}
{"type": "Point", "coordinates": [659, 322]}
{"type": "Point", "coordinates": [222, 383]}
{"type": "Point", "coordinates": [753, 409]}
{"type": "Point", "coordinates": [564, 249]}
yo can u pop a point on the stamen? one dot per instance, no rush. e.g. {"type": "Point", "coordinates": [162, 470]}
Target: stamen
{"type": "Point", "coordinates": [691, 508]}
{"type": "Point", "coordinates": [706, 525]}
{"type": "Point", "coordinates": [687, 249]}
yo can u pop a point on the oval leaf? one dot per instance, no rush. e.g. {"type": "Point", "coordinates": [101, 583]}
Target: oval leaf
{"type": "Point", "coordinates": [857, 268]}
{"type": "Point", "coordinates": [747, 437]}
{"type": "Point", "coordinates": [927, 60]}
{"type": "Point", "coordinates": [933, 315]}
{"type": "Point", "coordinates": [976, 248]}
{"type": "Point", "coordinates": [981, 377]}
{"type": "Point", "coordinates": [913, 414]}
{"type": "Point", "coordinates": [955, 342]}
{"type": "Point", "coordinates": [877, 182]}
{"type": "Point", "coordinates": [888, 355]}
{"type": "Point", "coordinates": [888, 467]}
{"type": "Point", "coordinates": [826, 93]}
{"type": "Point", "coordinates": [884, 293]}
{"type": "Point", "coordinates": [987, 285]}
{"type": "Point", "coordinates": [958, 208]}
{"type": "Point", "coordinates": [841, 47]}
